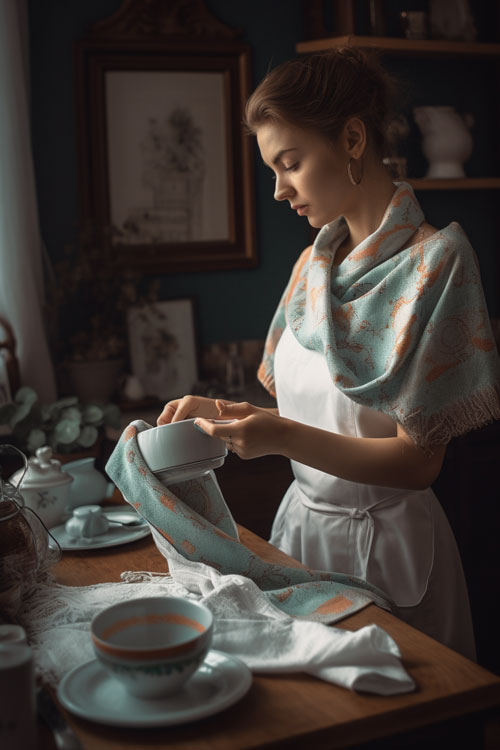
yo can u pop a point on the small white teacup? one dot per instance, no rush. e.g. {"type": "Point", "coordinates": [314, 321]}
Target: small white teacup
{"type": "Point", "coordinates": [152, 645]}
{"type": "Point", "coordinates": [86, 522]}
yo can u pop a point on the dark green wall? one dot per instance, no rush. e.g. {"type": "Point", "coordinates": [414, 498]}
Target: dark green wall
{"type": "Point", "coordinates": [238, 304]}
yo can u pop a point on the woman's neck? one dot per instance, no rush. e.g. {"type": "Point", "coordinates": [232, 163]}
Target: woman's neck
{"type": "Point", "coordinates": [370, 200]}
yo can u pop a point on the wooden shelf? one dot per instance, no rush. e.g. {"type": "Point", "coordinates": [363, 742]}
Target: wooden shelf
{"type": "Point", "coordinates": [396, 45]}
{"type": "Point", "coordinates": [466, 183]}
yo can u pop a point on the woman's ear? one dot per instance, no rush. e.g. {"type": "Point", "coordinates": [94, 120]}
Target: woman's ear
{"type": "Point", "coordinates": [355, 137]}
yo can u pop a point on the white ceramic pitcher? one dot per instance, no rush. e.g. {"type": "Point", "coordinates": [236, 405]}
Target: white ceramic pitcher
{"type": "Point", "coordinates": [446, 140]}
{"type": "Point", "coordinates": [90, 486]}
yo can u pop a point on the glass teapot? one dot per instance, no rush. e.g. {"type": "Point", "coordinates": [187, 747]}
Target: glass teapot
{"type": "Point", "coordinates": [24, 539]}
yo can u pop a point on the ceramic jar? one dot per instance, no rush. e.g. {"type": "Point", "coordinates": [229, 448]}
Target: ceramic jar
{"type": "Point", "coordinates": [24, 544]}
{"type": "Point", "coordinates": [89, 486]}
{"type": "Point", "coordinates": [45, 487]}
{"type": "Point", "coordinates": [18, 717]}
{"type": "Point", "coordinates": [446, 140]}
{"type": "Point", "coordinates": [19, 559]}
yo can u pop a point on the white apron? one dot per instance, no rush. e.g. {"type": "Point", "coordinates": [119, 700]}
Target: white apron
{"type": "Point", "coordinates": [399, 540]}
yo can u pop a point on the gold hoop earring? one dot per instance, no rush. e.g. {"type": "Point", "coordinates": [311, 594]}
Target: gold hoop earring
{"type": "Point", "coordinates": [349, 172]}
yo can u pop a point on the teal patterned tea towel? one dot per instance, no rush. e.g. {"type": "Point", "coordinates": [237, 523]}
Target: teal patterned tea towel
{"type": "Point", "coordinates": [194, 520]}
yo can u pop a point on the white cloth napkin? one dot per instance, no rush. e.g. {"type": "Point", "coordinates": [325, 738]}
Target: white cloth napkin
{"type": "Point", "coordinates": [248, 626]}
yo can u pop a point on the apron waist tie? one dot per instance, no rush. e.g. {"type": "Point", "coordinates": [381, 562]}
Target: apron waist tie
{"type": "Point", "coordinates": [360, 527]}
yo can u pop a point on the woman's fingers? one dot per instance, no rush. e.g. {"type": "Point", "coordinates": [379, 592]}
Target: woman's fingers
{"type": "Point", "coordinates": [167, 413]}
{"type": "Point", "coordinates": [239, 410]}
{"type": "Point", "coordinates": [215, 427]}
{"type": "Point", "coordinates": [229, 414]}
{"type": "Point", "coordinates": [186, 408]}
{"type": "Point", "coordinates": [231, 426]}
{"type": "Point", "coordinates": [223, 429]}
{"type": "Point", "coordinates": [252, 432]}
{"type": "Point", "coordinates": [221, 404]}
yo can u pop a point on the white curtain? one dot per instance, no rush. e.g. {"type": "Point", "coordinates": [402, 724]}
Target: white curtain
{"type": "Point", "coordinates": [21, 271]}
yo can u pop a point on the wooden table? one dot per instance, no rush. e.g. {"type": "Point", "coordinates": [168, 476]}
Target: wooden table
{"type": "Point", "coordinates": [299, 711]}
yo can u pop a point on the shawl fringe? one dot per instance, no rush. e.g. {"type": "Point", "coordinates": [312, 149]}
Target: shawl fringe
{"type": "Point", "coordinates": [464, 415]}
{"type": "Point", "coordinates": [266, 379]}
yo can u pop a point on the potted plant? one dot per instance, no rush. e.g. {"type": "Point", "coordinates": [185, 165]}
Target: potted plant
{"type": "Point", "coordinates": [69, 427]}
{"type": "Point", "coordinates": [89, 296]}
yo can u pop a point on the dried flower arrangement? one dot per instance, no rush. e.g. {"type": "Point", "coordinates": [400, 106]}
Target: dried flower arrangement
{"type": "Point", "coordinates": [88, 297]}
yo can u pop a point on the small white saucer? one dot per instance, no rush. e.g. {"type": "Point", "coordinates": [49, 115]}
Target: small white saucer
{"type": "Point", "coordinates": [91, 693]}
{"type": "Point", "coordinates": [114, 536]}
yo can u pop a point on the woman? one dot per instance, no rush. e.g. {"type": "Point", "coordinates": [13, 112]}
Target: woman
{"type": "Point", "coordinates": [379, 353]}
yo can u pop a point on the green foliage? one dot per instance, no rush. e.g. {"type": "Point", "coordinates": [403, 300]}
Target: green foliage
{"type": "Point", "coordinates": [66, 425]}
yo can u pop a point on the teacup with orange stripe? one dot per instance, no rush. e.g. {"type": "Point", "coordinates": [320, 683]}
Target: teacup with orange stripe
{"type": "Point", "coordinates": [154, 644]}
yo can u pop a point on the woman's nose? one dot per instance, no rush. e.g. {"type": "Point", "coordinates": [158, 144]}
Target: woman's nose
{"type": "Point", "coordinates": [282, 190]}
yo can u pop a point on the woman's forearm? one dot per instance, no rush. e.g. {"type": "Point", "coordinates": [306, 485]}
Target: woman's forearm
{"type": "Point", "coordinates": [389, 462]}
{"type": "Point", "coordinates": [251, 431]}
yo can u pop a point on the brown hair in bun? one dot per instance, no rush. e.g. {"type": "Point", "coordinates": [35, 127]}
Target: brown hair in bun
{"type": "Point", "coordinates": [323, 91]}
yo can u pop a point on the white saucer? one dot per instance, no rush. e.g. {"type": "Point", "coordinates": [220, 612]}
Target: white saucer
{"type": "Point", "coordinates": [114, 536]}
{"type": "Point", "coordinates": [91, 693]}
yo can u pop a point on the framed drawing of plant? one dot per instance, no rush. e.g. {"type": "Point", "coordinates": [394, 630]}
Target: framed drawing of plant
{"type": "Point", "coordinates": [166, 172]}
{"type": "Point", "coordinates": [162, 343]}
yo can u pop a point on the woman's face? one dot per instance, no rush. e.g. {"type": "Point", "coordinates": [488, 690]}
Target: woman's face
{"type": "Point", "coordinates": [310, 171]}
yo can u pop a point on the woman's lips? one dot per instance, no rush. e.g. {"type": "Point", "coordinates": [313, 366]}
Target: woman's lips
{"type": "Point", "coordinates": [301, 210]}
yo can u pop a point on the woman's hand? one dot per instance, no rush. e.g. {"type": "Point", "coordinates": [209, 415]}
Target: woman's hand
{"type": "Point", "coordinates": [189, 407]}
{"type": "Point", "coordinates": [254, 432]}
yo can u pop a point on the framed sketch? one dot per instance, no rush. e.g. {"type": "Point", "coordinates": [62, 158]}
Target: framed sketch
{"type": "Point", "coordinates": [162, 345]}
{"type": "Point", "coordinates": [165, 166]}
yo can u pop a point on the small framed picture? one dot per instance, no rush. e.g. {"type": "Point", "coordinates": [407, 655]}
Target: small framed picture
{"type": "Point", "coordinates": [162, 342]}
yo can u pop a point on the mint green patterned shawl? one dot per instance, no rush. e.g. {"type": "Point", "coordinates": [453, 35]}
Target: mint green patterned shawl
{"type": "Point", "coordinates": [405, 332]}
{"type": "Point", "coordinates": [193, 519]}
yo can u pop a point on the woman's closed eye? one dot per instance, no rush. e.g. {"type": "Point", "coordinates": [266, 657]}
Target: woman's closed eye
{"type": "Point", "coordinates": [291, 168]}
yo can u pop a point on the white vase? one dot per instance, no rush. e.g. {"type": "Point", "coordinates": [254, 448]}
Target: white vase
{"type": "Point", "coordinates": [446, 140]}
{"type": "Point", "coordinates": [451, 19]}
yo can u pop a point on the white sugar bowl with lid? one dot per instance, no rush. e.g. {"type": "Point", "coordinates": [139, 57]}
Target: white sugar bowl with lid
{"type": "Point", "coordinates": [45, 487]}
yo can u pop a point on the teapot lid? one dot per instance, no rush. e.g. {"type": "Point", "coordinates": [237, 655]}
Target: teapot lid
{"type": "Point", "coordinates": [43, 471]}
